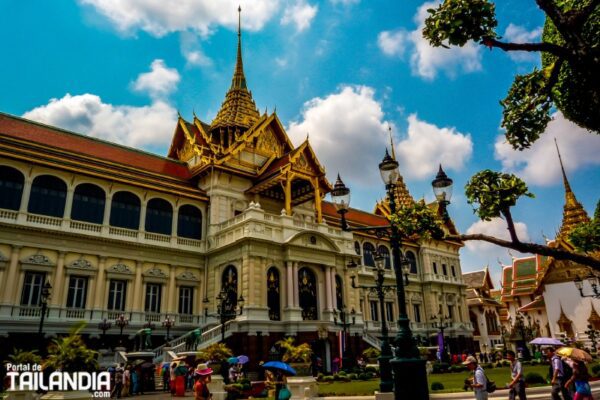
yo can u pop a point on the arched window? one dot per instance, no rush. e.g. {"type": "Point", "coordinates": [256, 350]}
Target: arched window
{"type": "Point", "coordinates": [307, 287]}
{"type": "Point", "coordinates": [11, 188]}
{"type": "Point", "coordinates": [357, 248]}
{"type": "Point", "coordinates": [88, 203]}
{"type": "Point", "coordinates": [125, 210]}
{"type": "Point", "coordinates": [189, 222]}
{"type": "Point", "coordinates": [159, 217]}
{"type": "Point", "coordinates": [229, 283]}
{"type": "Point", "coordinates": [48, 195]}
{"type": "Point", "coordinates": [412, 260]}
{"type": "Point", "coordinates": [385, 253]}
{"type": "Point", "coordinates": [339, 293]}
{"type": "Point", "coordinates": [273, 294]}
{"type": "Point", "coordinates": [368, 250]}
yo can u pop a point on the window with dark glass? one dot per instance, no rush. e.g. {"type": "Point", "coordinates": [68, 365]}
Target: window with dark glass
{"type": "Point", "coordinates": [88, 203]}
{"type": "Point", "coordinates": [444, 269]}
{"type": "Point", "coordinates": [368, 250]}
{"type": "Point", "coordinates": [385, 253]}
{"type": "Point", "coordinates": [153, 292]}
{"type": "Point", "coordinates": [357, 248]}
{"type": "Point", "coordinates": [189, 222]}
{"type": "Point", "coordinates": [451, 313]}
{"type": "Point", "coordinates": [77, 292]}
{"type": "Point", "coordinates": [307, 286]}
{"type": "Point", "coordinates": [229, 283]}
{"type": "Point", "coordinates": [417, 312]}
{"type": "Point", "coordinates": [125, 210]}
{"type": "Point", "coordinates": [410, 256]}
{"type": "Point", "coordinates": [11, 188]}
{"type": "Point", "coordinates": [374, 311]}
{"type": "Point", "coordinates": [159, 217]}
{"type": "Point", "coordinates": [48, 196]}
{"type": "Point", "coordinates": [273, 294]}
{"type": "Point", "coordinates": [32, 288]}
{"type": "Point", "coordinates": [389, 311]}
{"type": "Point", "coordinates": [453, 271]}
{"type": "Point", "coordinates": [186, 300]}
{"type": "Point", "coordinates": [435, 268]}
{"type": "Point", "coordinates": [117, 289]}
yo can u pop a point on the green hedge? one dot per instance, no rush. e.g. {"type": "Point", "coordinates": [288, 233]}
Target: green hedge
{"type": "Point", "coordinates": [534, 378]}
{"type": "Point", "coordinates": [437, 386]}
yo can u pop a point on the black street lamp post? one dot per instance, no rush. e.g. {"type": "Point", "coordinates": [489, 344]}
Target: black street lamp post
{"type": "Point", "coordinates": [410, 377]}
{"type": "Point", "coordinates": [386, 383]}
{"type": "Point", "coordinates": [226, 310]}
{"type": "Point", "coordinates": [44, 297]}
{"type": "Point", "coordinates": [121, 321]}
{"type": "Point", "coordinates": [168, 323]}
{"type": "Point", "coordinates": [593, 336]}
{"type": "Point", "coordinates": [104, 326]}
{"type": "Point", "coordinates": [523, 331]}
{"type": "Point", "coordinates": [346, 320]}
{"type": "Point", "coordinates": [504, 332]}
{"type": "Point", "coordinates": [442, 322]}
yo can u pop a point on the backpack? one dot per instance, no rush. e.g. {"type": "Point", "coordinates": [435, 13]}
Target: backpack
{"type": "Point", "coordinates": [490, 386]}
{"type": "Point", "coordinates": [567, 370]}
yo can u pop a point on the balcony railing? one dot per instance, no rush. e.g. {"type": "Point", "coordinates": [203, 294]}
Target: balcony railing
{"type": "Point", "coordinates": [98, 230]}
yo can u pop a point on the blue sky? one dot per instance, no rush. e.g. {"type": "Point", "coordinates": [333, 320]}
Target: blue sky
{"type": "Point", "coordinates": [340, 70]}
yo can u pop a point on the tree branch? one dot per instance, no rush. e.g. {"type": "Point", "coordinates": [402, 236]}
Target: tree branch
{"type": "Point", "coordinates": [535, 248]}
{"type": "Point", "coordinates": [552, 48]}
{"type": "Point", "coordinates": [511, 226]}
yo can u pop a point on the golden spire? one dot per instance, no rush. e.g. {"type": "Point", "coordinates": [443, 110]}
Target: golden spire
{"type": "Point", "coordinates": [238, 111]}
{"type": "Point", "coordinates": [573, 212]}
{"type": "Point", "coordinates": [392, 142]}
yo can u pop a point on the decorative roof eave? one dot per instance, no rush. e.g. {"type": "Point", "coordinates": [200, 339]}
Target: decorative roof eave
{"type": "Point", "coordinates": [537, 304]}
{"type": "Point", "coordinates": [205, 136]}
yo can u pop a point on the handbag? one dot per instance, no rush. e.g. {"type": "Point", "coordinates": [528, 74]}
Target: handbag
{"type": "Point", "coordinates": [490, 387]}
{"type": "Point", "coordinates": [284, 394]}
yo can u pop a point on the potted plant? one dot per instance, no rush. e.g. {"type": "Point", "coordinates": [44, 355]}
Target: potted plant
{"type": "Point", "coordinates": [215, 355]}
{"type": "Point", "coordinates": [298, 356]}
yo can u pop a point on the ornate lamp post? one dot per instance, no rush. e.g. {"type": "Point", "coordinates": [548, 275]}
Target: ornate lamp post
{"type": "Point", "coordinates": [386, 383]}
{"type": "Point", "coordinates": [168, 323]}
{"type": "Point", "coordinates": [520, 325]}
{"type": "Point", "coordinates": [44, 297]}
{"type": "Point", "coordinates": [104, 326]}
{"type": "Point", "coordinates": [346, 320]}
{"type": "Point", "coordinates": [593, 281]}
{"type": "Point", "coordinates": [226, 310]}
{"type": "Point", "coordinates": [593, 336]}
{"type": "Point", "coordinates": [410, 377]}
{"type": "Point", "coordinates": [442, 322]}
{"type": "Point", "coordinates": [121, 322]}
{"type": "Point", "coordinates": [503, 332]}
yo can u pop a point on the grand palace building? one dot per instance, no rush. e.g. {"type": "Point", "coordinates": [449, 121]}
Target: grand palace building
{"type": "Point", "coordinates": [234, 212]}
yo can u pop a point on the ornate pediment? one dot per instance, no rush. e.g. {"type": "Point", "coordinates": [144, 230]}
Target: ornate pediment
{"type": "Point", "coordinates": [268, 143]}
{"type": "Point", "coordinates": [37, 259]}
{"type": "Point", "coordinates": [120, 269]}
{"type": "Point", "coordinates": [156, 273]}
{"type": "Point", "coordinates": [188, 276]}
{"type": "Point", "coordinates": [81, 263]}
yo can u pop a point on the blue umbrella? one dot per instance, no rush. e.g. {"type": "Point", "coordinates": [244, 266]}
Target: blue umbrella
{"type": "Point", "coordinates": [279, 366]}
{"type": "Point", "coordinates": [546, 341]}
{"type": "Point", "coordinates": [233, 360]}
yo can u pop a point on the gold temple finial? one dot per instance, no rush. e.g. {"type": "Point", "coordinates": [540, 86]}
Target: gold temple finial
{"type": "Point", "coordinates": [307, 136]}
{"type": "Point", "coordinates": [573, 212]}
{"type": "Point", "coordinates": [392, 142]}
{"type": "Point", "coordinates": [239, 80]}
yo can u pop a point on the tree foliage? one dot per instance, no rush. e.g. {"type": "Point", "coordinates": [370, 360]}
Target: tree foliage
{"type": "Point", "coordinates": [570, 50]}
{"type": "Point", "coordinates": [300, 353]}
{"type": "Point", "coordinates": [418, 221]}
{"type": "Point", "coordinates": [586, 236]}
{"type": "Point", "coordinates": [70, 353]}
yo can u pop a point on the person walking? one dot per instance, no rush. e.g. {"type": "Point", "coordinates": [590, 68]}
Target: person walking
{"type": "Point", "coordinates": [479, 381]}
{"type": "Point", "coordinates": [517, 385]}
{"type": "Point", "coordinates": [558, 380]}
{"type": "Point", "coordinates": [581, 378]}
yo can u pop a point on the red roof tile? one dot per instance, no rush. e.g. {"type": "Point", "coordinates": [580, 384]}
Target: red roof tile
{"type": "Point", "coordinates": [31, 131]}
{"type": "Point", "coordinates": [358, 217]}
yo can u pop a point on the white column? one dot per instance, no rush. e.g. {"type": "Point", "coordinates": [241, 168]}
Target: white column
{"type": "Point", "coordinates": [328, 284]}
{"type": "Point", "coordinates": [174, 223]}
{"type": "Point", "coordinates": [59, 279]}
{"type": "Point", "coordinates": [137, 287]}
{"type": "Point", "coordinates": [143, 217]}
{"type": "Point", "coordinates": [25, 196]}
{"type": "Point", "coordinates": [69, 203]}
{"type": "Point", "coordinates": [100, 285]}
{"type": "Point", "coordinates": [290, 284]}
{"type": "Point", "coordinates": [11, 283]}
{"type": "Point", "coordinates": [333, 304]}
{"type": "Point", "coordinates": [107, 205]}
{"type": "Point", "coordinates": [171, 300]}
{"type": "Point", "coordinates": [296, 289]}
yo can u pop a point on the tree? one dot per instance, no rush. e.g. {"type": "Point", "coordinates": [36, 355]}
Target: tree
{"type": "Point", "coordinates": [570, 50]}
{"type": "Point", "coordinates": [70, 353]}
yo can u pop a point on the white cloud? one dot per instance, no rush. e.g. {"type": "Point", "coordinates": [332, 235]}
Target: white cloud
{"type": "Point", "coordinates": [147, 126]}
{"type": "Point", "coordinates": [518, 34]}
{"type": "Point", "coordinates": [427, 145]}
{"type": "Point", "coordinates": [539, 164]}
{"type": "Point", "coordinates": [299, 14]}
{"type": "Point", "coordinates": [345, 2]}
{"type": "Point", "coordinates": [477, 251]}
{"type": "Point", "coordinates": [426, 60]}
{"type": "Point", "coordinates": [160, 17]}
{"type": "Point", "coordinates": [159, 82]}
{"type": "Point", "coordinates": [345, 144]}
{"type": "Point", "coordinates": [192, 51]}
{"type": "Point", "coordinates": [393, 43]}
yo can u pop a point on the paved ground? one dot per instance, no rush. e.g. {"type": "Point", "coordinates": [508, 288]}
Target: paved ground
{"type": "Point", "coordinates": [532, 394]}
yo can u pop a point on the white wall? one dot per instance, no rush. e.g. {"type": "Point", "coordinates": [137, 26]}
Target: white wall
{"type": "Point", "coordinates": [576, 308]}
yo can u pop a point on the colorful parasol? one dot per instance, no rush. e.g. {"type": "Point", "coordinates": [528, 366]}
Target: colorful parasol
{"type": "Point", "coordinates": [574, 353]}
